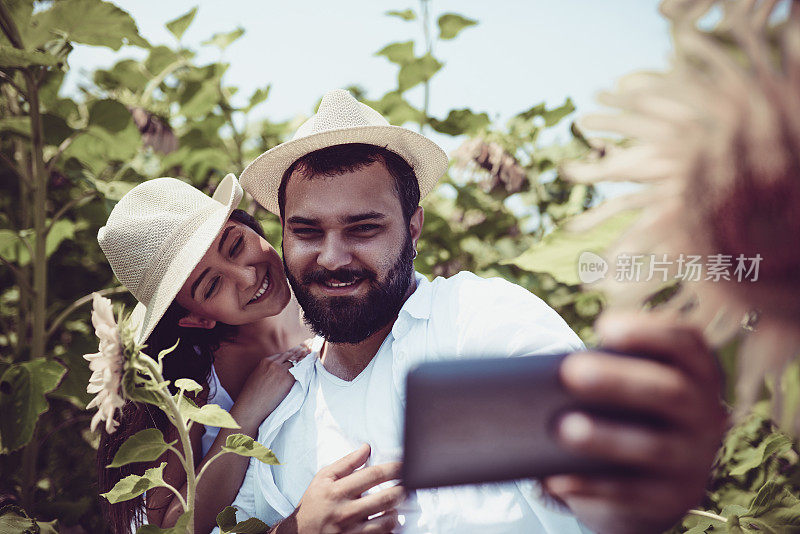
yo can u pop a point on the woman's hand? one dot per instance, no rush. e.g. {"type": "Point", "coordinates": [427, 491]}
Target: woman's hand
{"type": "Point", "coordinates": [268, 384]}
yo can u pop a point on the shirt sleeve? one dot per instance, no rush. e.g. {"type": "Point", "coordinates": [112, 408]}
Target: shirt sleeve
{"type": "Point", "coordinates": [495, 318]}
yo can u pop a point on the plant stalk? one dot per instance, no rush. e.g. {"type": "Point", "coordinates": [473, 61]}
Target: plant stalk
{"type": "Point", "coordinates": [188, 453]}
{"type": "Point", "coordinates": [426, 23]}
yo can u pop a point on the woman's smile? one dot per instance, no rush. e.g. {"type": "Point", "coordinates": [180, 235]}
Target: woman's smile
{"type": "Point", "coordinates": [263, 289]}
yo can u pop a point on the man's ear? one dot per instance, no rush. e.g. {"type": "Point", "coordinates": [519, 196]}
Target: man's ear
{"type": "Point", "coordinates": [415, 225]}
{"type": "Point", "coordinates": [195, 321]}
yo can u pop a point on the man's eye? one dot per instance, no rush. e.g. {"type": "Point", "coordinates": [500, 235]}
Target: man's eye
{"type": "Point", "coordinates": [237, 245]}
{"type": "Point", "coordinates": [305, 231]}
{"type": "Point", "coordinates": [211, 288]}
{"type": "Point", "coordinates": [366, 228]}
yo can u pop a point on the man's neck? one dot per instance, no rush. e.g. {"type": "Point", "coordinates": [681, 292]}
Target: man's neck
{"type": "Point", "coordinates": [347, 360]}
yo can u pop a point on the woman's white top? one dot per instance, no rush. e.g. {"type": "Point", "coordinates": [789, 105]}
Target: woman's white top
{"type": "Point", "coordinates": [217, 395]}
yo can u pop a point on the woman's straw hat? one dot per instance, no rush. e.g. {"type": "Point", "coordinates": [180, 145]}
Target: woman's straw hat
{"type": "Point", "coordinates": [341, 119]}
{"type": "Point", "coordinates": [156, 235]}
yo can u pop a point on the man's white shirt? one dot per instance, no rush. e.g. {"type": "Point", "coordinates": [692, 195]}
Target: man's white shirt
{"type": "Point", "coordinates": [323, 418]}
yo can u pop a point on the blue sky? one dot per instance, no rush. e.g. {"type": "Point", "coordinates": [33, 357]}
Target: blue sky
{"type": "Point", "coordinates": [522, 51]}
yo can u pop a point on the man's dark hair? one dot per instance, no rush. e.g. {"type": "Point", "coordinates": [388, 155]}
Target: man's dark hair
{"type": "Point", "coordinates": [338, 159]}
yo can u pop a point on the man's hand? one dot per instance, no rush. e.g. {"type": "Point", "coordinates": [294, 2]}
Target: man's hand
{"type": "Point", "coordinates": [333, 502]}
{"type": "Point", "coordinates": [680, 383]}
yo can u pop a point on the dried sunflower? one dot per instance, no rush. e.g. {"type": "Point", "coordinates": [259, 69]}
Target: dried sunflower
{"type": "Point", "coordinates": [716, 143]}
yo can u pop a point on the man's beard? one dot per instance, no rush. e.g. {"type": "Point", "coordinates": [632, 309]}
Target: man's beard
{"type": "Point", "coordinates": [354, 319]}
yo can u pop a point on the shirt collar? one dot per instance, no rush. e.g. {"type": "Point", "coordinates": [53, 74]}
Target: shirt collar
{"type": "Point", "coordinates": [416, 307]}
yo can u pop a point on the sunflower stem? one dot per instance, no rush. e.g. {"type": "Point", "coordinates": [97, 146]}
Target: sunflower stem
{"type": "Point", "coordinates": [188, 454]}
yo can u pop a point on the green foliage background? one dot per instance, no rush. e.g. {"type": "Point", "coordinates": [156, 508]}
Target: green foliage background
{"type": "Point", "coordinates": [65, 161]}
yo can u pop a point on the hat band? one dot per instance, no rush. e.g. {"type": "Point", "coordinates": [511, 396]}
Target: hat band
{"type": "Point", "coordinates": [161, 260]}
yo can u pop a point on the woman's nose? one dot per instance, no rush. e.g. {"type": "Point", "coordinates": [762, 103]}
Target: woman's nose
{"type": "Point", "coordinates": [244, 276]}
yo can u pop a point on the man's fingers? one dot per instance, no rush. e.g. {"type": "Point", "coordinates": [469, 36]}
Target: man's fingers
{"type": "Point", "coordinates": [653, 450]}
{"type": "Point", "coordinates": [661, 337]}
{"type": "Point", "coordinates": [635, 384]}
{"type": "Point", "coordinates": [382, 524]}
{"type": "Point", "coordinates": [374, 503]}
{"type": "Point", "coordinates": [621, 496]}
{"type": "Point", "coordinates": [364, 479]}
{"type": "Point", "coordinates": [346, 465]}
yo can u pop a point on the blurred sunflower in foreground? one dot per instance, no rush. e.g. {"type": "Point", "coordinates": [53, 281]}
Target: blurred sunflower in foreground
{"type": "Point", "coordinates": [716, 142]}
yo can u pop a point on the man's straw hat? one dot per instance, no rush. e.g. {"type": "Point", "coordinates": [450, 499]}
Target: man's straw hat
{"type": "Point", "coordinates": [156, 235]}
{"type": "Point", "coordinates": [341, 119]}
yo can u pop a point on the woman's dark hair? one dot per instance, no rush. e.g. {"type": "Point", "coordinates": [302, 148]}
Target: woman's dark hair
{"type": "Point", "coordinates": [192, 358]}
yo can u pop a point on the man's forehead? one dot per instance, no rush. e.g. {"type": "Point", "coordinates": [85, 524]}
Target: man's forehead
{"type": "Point", "coordinates": [367, 189]}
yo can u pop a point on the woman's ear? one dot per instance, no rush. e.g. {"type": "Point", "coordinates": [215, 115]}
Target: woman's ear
{"type": "Point", "coordinates": [195, 321]}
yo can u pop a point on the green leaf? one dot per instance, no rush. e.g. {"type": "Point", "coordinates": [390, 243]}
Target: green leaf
{"type": "Point", "coordinates": [179, 528]}
{"type": "Point", "coordinates": [178, 26]}
{"type": "Point", "coordinates": [226, 520]}
{"type": "Point", "coordinates": [461, 121]}
{"type": "Point", "coordinates": [145, 446]}
{"type": "Point", "coordinates": [200, 99]}
{"type": "Point", "coordinates": [14, 57]}
{"type": "Point", "coordinates": [224, 40]}
{"type": "Point", "coordinates": [258, 97]}
{"type": "Point", "coordinates": [126, 74]}
{"type": "Point", "coordinates": [774, 444]}
{"type": "Point", "coordinates": [12, 248]}
{"type": "Point", "coordinates": [774, 509]}
{"type": "Point", "coordinates": [109, 115]}
{"type": "Point", "coordinates": [406, 14]}
{"type": "Point", "coordinates": [210, 414]}
{"type": "Point", "coordinates": [160, 58]}
{"type": "Point", "coordinates": [400, 53]}
{"type": "Point", "coordinates": [17, 125]}
{"type": "Point", "coordinates": [89, 22]}
{"type": "Point", "coordinates": [558, 252]}
{"type": "Point", "coordinates": [252, 525]}
{"type": "Point", "coordinates": [187, 384]}
{"type": "Point", "coordinates": [246, 446]}
{"type": "Point", "coordinates": [700, 525]}
{"type": "Point", "coordinates": [417, 71]}
{"type": "Point", "coordinates": [395, 108]}
{"type": "Point", "coordinates": [61, 230]}
{"type": "Point", "coordinates": [451, 24]}
{"type": "Point", "coordinates": [14, 520]}
{"type": "Point", "coordinates": [22, 399]}
{"type": "Point", "coordinates": [132, 486]}
{"type": "Point", "coordinates": [553, 116]}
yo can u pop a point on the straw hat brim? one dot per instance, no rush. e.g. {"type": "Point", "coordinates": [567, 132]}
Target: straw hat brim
{"type": "Point", "coordinates": [228, 194]}
{"type": "Point", "coordinates": [262, 177]}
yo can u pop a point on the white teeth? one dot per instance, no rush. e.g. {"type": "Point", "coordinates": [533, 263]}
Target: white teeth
{"type": "Point", "coordinates": [262, 289]}
{"type": "Point", "coordinates": [341, 284]}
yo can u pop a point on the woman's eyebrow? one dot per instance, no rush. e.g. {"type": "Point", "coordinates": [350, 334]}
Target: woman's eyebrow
{"type": "Point", "coordinates": [200, 278]}
{"type": "Point", "coordinates": [224, 237]}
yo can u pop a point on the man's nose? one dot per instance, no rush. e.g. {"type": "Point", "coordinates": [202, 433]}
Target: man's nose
{"type": "Point", "coordinates": [244, 276]}
{"type": "Point", "coordinates": [334, 254]}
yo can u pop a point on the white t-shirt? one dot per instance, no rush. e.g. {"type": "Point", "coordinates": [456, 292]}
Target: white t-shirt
{"type": "Point", "coordinates": [335, 419]}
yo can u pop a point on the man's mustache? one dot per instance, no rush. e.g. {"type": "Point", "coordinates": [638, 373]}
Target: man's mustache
{"type": "Point", "coordinates": [321, 276]}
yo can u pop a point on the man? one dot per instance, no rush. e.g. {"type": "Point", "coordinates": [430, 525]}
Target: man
{"type": "Point", "coordinates": [347, 188]}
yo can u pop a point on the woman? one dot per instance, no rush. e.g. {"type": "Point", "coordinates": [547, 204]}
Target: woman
{"type": "Point", "coordinates": [202, 273]}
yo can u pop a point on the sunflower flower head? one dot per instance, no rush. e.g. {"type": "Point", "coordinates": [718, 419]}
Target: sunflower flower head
{"type": "Point", "coordinates": [107, 366]}
{"type": "Point", "coordinates": [715, 143]}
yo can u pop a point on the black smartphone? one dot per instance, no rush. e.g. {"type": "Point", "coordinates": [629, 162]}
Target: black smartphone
{"type": "Point", "coordinates": [490, 419]}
